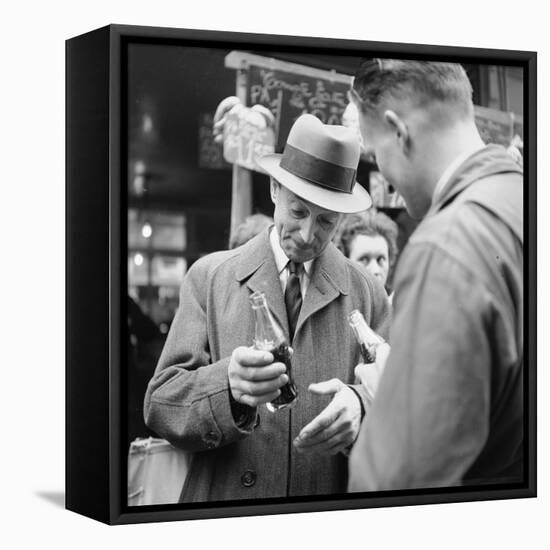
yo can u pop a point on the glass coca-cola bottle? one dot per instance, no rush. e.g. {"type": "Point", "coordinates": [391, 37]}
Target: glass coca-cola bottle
{"type": "Point", "coordinates": [269, 336]}
{"type": "Point", "coordinates": [367, 339]}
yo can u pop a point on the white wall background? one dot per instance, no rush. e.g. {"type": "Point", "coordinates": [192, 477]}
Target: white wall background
{"type": "Point", "coordinates": [32, 252]}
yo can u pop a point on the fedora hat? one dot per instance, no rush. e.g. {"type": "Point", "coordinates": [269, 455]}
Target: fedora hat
{"type": "Point", "coordinates": [319, 164]}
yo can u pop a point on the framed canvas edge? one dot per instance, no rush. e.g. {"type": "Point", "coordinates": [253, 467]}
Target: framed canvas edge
{"type": "Point", "coordinates": [329, 504]}
{"type": "Point", "coordinates": [530, 305]}
{"type": "Point", "coordinates": [318, 43]}
{"type": "Point", "coordinates": [118, 514]}
{"type": "Point", "coordinates": [117, 246]}
{"type": "Point", "coordinates": [87, 309]}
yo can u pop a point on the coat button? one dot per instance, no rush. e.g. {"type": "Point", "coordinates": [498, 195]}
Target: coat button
{"type": "Point", "coordinates": [248, 478]}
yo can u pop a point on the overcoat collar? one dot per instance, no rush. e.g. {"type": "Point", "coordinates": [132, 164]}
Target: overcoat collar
{"type": "Point", "coordinates": [258, 271]}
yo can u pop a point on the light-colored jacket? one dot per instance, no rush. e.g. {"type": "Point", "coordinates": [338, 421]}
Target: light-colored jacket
{"type": "Point", "coordinates": [449, 407]}
{"type": "Point", "coordinates": [187, 401]}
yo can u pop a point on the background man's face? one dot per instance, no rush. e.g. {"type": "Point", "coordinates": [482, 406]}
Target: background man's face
{"type": "Point", "coordinates": [371, 251]}
{"type": "Point", "coordinates": [304, 228]}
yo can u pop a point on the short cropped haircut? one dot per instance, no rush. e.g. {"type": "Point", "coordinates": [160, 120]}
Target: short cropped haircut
{"type": "Point", "coordinates": [251, 226]}
{"type": "Point", "coordinates": [369, 223]}
{"type": "Point", "coordinates": [380, 79]}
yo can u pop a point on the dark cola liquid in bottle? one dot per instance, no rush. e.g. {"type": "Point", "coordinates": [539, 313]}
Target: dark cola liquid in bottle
{"type": "Point", "coordinates": [367, 339]}
{"type": "Point", "coordinates": [269, 336]}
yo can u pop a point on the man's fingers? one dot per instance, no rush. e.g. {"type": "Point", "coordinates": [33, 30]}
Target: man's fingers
{"type": "Point", "coordinates": [321, 436]}
{"type": "Point", "coordinates": [327, 387]}
{"type": "Point", "coordinates": [327, 444]}
{"type": "Point", "coordinates": [258, 374]}
{"type": "Point", "coordinates": [337, 424]}
{"type": "Point", "coordinates": [262, 388]}
{"type": "Point", "coordinates": [333, 440]}
{"type": "Point", "coordinates": [323, 420]}
{"type": "Point", "coordinates": [254, 401]}
{"type": "Point", "coordinates": [343, 438]}
{"type": "Point", "coordinates": [339, 448]}
{"type": "Point", "coordinates": [340, 427]}
{"type": "Point", "coordinates": [250, 357]}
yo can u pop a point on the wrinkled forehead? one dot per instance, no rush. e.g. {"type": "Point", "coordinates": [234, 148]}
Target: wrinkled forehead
{"type": "Point", "coordinates": [293, 199]}
{"type": "Point", "coordinates": [371, 244]}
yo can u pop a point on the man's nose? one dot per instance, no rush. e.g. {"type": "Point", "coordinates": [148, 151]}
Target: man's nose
{"type": "Point", "coordinates": [374, 267]}
{"type": "Point", "coordinates": [307, 230]}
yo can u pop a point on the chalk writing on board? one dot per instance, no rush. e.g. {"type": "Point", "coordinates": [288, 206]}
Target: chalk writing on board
{"type": "Point", "coordinates": [290, 95]}
{"type": "Point", "coordinates": [245, 142]}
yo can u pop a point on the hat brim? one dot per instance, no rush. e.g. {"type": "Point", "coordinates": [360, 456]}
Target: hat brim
{"type": "Point", "coordinates": [336, 201]}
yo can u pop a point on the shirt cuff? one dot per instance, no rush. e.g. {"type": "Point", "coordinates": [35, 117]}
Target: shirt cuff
{"type": "Point", "coordinates": [243, 415]}
{"type": "Point", "coordinates": [360, 400]}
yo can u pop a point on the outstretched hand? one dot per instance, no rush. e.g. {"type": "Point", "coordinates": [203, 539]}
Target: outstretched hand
{"type": "Point", "coordinates": [335, 429]}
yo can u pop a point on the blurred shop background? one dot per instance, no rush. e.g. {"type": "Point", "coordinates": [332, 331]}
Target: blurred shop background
{"type": "Point", "coordinates": [184, 197]}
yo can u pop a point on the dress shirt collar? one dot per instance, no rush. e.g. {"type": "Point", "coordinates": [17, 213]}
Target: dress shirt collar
{"type": "Point", "coordinates": [281, 259]}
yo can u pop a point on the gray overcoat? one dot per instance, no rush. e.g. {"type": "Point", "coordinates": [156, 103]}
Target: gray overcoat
{"type": "Point", "coordinates": [187, 401]}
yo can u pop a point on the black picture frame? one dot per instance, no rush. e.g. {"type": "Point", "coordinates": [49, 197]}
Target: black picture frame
{"type": "Point", "coordinates": [96, 251]}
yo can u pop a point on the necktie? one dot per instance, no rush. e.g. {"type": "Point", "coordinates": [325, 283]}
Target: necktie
{"type": "Point", "coordinates": [293, 296]}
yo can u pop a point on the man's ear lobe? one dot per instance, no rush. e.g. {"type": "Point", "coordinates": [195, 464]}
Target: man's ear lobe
{"type": "Point", "coordinates": [399, 127]}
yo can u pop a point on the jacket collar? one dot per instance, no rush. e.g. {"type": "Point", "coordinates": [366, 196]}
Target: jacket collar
{"type": "Point", "coordinates": [488, 161]}
{"type": "Point", "coordinates": [258, 270]}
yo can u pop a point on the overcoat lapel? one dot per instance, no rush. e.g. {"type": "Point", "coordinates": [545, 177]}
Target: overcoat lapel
{"type": "Point", "coordinates": [257, 269]}
{"type": "Point", "coordinates": [328, 281]}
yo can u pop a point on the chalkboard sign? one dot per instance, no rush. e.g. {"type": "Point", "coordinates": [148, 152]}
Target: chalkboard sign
{"type": "Point", "coordinates": [244, 142]}
{"type": "Point", "coordinates": [289, 90]}
{"type": "Point", "coordinates": [290, 95]}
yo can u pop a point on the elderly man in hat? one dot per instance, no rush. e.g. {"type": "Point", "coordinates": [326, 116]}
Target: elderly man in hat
{"type": "Point", "coordinates": [209, 389]}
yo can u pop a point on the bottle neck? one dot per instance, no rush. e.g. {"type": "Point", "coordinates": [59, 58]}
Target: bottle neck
{"type": "Point", "coordinates": [362, 331]}
{"type": "Point", "coordinates": [268, 333]}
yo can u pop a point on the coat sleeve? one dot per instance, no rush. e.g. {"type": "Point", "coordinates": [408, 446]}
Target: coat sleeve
{"type": "Point", "coordinates": [187, 400]}
{"type": "Point", "coordinates": [430, 418]}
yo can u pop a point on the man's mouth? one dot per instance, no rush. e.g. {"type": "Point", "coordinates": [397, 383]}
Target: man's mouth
{"type": "Point", "coordinates": [304, 248]}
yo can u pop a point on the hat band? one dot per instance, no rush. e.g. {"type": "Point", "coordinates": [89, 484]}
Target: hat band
{"type": "Point", "coordinates": [315, 170]}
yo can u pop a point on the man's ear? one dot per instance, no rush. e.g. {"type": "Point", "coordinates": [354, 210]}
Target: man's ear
{"type": "Point", "coordinates": [400, 129]}
{"type": "Point", "coordinates": [274, 189]}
